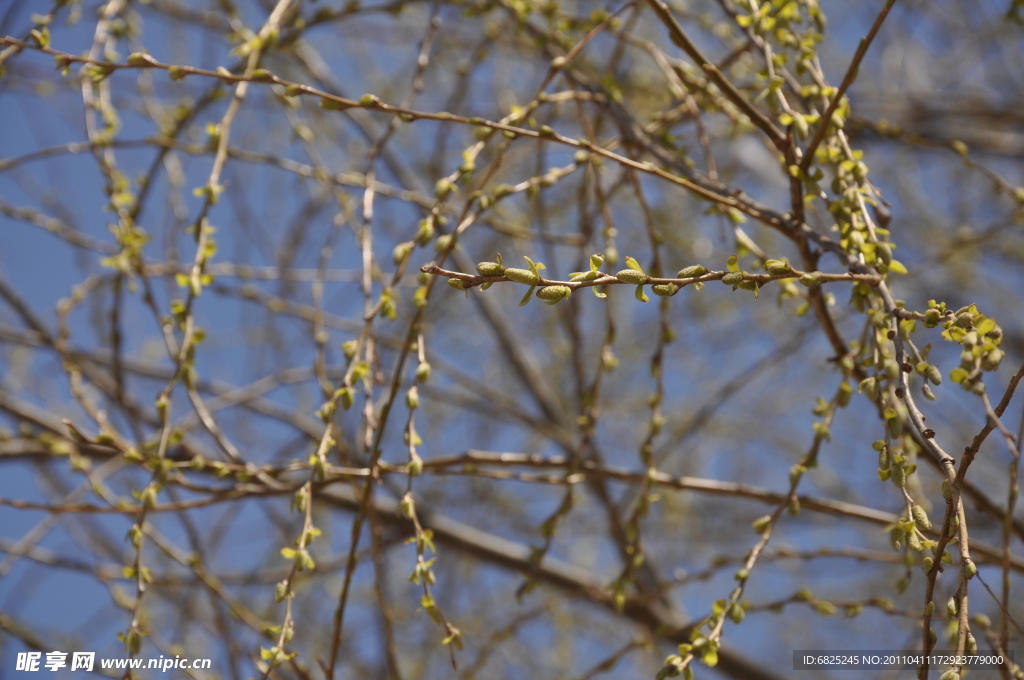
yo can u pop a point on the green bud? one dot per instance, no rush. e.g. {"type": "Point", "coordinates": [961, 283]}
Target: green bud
{"type": "Point", "coordinates": [332, 105]}
{"type": "Point", "coordinates": [490, 269]}
{"type": "Point", "coordinates": [920, 516]}
{"type": "Point", "coordinates": [691, 272]}
{"type": "Point", "coordinates": [665, 289]}
{"type": "Point", "coordinates": [423, 372]}
{"type": "Point", "coordinates": [761, 524]}
{"type": "Point", "coordinates": [991, 361]}
{"type": "Point", "coordinates": [348, 397]}
{"type": "Point", "coordinates": [970, 568]}
{"type": "Point", "coordinates": [281, 591]}
{"type": "Point", "coordinates": [914, 542]}
{"type": "Point", "coordinates": [368, 100]}
{"type": "Point", "coordinates": [947, 490]}
{"type": "Point", "coordinates": [443, 187]}
{"type": "Point", "coordinates": [884, 458]}
{"type": "Point", "coordinates": [632, 276]}
{"type": "Point", "coordinates": [426, 232]}
{"type": "Point", "coordinates": [732, 278]}
{"type": "Point", "coordinates": [899, 476]}
{"type": "Point", "coordinates": [553, 294]}
{"type": "Point", "coordinates": [929, 608]}
{"type": "Point", "coordinates": [444, 243]}
{"type": "Point", "coordinates": [884, 253]}
{"type": "Point", "coordinates": [931, 318]}
{"type": "Point", "coordinates": [776, 267]}
{"type": "Point", "coordinates": [611, 254]}
{"type": "Point", "coordinates": [609, 361]}
{"type": "Point", "coordinates": [458, 284]}
{"type": "Point", "coordinates": [524, 276]}
{"type": "Point", "coordinates": [971, 645]}
{"type": "Point", "coordinates": [982, 621]}
{"type": "Point", "coordinates": [412, 397]}
{"type": "Point", "coordinates": [407, 505]}
{"type": "Point", "coordinates": [401, 252]}
{"type": "Point", "coordinates": [811, 279]}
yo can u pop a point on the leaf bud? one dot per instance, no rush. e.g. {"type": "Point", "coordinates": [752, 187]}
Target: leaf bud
{"type": "Point", "coordinates": [899, 476]}
{"type": "Point", "coordinates": [524, 276]}
{"type": "Point", "coordinates": [776, 267]}
{"type": "Point", "coordinates": [348, 397]}
{"type": "Point", "coordinates": [691, 272]}
{"type": "Point", "coordinates": [884, 253]}
{"type": "Point", "coordinates": [920, 516]}
{"type": "Point", "coordinates": [964, 320]}
{"type": "Point", "coordinates": [443, 187]}
{"type": "Point", "coordinates": [732, 278]}
{"type": "Point", "coordinates": [991, 361]}
{"type": "Point", "coordinates": [407, 505]}
{"type": "Point", "coordinates": [632, 276]}
{"type": "Point", "coordinates": [884, 458]}
{"type": "Point", "coordinates": [401, 252]}
{"type": "Point", "coordinates": [811, 279]}
{"type": "Point", "coordinates": [665, 289]}
{"type": "Point", "coordinates": [412, 397]}
{"type": "Point", "coordinates": [490, 269]}
{"type": "Point", "coordinates": [457, 284]}
{"type": "Point", "coordinates": [423, 372]}
{"type": "Point", "coordinates": [553, 294]}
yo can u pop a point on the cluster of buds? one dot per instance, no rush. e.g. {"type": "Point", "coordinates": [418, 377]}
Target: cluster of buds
{"type": "Point", "coordinates": [980, 338]}
{"type": "Point", "coordinates": [595, 279]}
